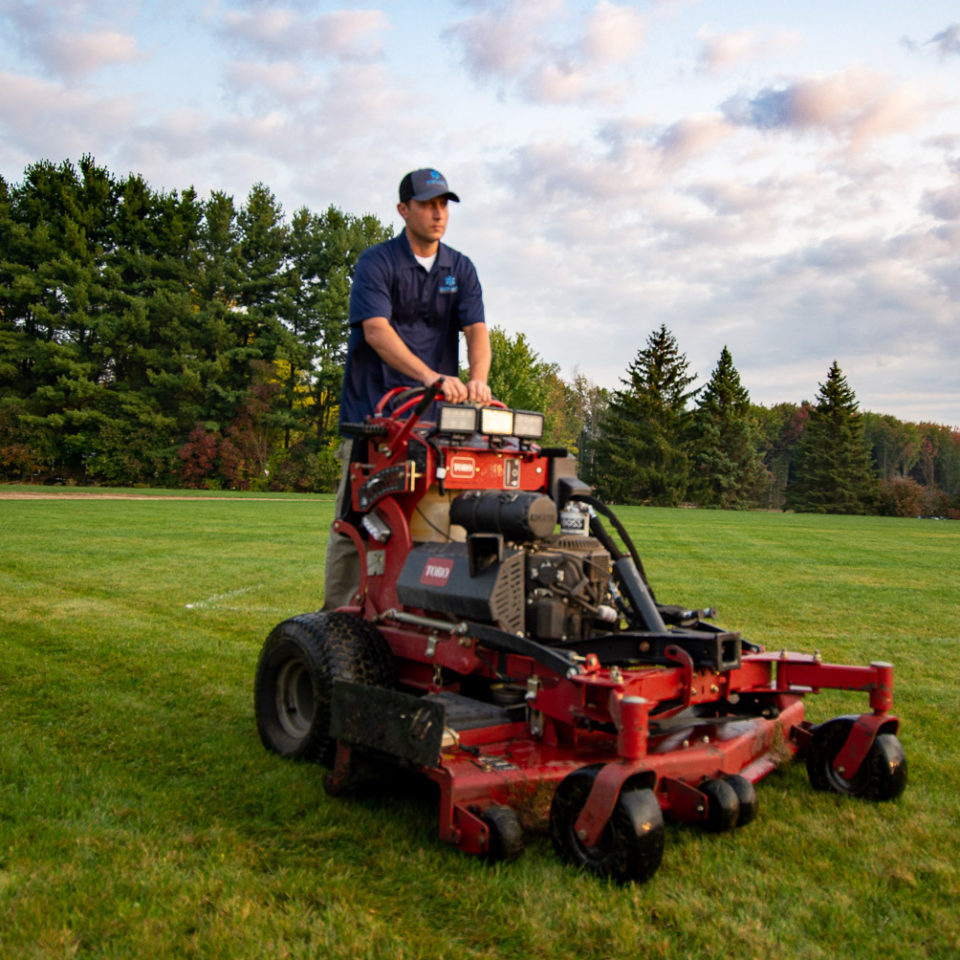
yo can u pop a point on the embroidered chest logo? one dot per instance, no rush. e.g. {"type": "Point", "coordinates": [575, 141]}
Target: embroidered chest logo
{"type": "Point", "coordinates": [449, 284]}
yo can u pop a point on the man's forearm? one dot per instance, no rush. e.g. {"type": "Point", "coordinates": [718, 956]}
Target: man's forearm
{"type": "Point", "coordinates": [393, 351]}
{"type": "Point", "coordinates": [479, 357]}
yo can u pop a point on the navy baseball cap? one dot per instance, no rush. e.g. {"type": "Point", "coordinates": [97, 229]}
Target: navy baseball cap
{"type": "Point", "coordinates": [425, 185]}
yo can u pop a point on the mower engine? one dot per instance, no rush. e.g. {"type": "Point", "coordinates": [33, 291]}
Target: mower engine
{"type": "Point", "coordinates": [513, 571]}
{"type": "Point", "coordinates": [505, 642]}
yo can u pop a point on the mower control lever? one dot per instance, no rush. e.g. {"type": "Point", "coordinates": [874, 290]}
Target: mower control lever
{"type": "Point", "coordinates": [429, 395]}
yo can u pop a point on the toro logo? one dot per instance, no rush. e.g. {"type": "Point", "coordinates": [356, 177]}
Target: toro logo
{"type": "Point", "coordinates": [436, 571]}
{"type": "Point", "coordinates": [463, 468]}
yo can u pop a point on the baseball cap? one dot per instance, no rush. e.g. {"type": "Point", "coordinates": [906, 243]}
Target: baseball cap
{"type": "Point", "coordinates": [425, 185]}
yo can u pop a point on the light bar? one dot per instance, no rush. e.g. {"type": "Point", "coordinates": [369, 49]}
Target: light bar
{"type": "Point", "coordinates": [527, 425]}
{"type": "Point", "coordinates": [496, 422]}
{"type": "Point", "coordinates": [457, 418]}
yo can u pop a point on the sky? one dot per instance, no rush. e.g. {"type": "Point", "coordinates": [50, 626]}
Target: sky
{"type": "Point", "coordinates": [779, 178]}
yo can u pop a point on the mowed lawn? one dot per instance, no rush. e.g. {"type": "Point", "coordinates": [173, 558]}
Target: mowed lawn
{"type": "Point", "coordinates": [141, 817]}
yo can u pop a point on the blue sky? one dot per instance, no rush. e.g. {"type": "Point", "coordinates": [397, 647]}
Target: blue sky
{"type": "Point", "coordinates": [780, 178]}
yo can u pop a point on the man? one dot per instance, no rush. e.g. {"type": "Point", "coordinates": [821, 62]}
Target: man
{"type": "Point", "coordinates": [411, 298]}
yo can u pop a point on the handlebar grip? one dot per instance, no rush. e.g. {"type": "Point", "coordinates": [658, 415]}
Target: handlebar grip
{"type": "Point", "coordinates": [429, 395]}
{"type": "Point", "coordinates": [363, 430]}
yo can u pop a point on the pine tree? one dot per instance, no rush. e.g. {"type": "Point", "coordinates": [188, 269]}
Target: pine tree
{"type": "Point", "coordinates": [324, 249]}
{"type": "Point", "coordinates": [833, 473]}
{"type": "Point", "coordinates": [643, 452]}
{"type": "Point", "coordinates": [728, 469]}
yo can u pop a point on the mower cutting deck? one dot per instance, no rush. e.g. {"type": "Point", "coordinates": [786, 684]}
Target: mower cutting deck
{"type": "Point", "coordinates": [514, 663]}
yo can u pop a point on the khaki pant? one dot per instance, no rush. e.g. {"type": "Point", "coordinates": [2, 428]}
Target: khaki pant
{"type": "Point", "coordinates": [342, 573]}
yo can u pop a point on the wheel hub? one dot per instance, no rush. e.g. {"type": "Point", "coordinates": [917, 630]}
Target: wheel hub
{"type": "Point", "coordinates": [295, 702]}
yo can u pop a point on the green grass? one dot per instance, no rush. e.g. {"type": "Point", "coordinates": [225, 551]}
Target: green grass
{"type": "Point", "coordinates": [140, 815]}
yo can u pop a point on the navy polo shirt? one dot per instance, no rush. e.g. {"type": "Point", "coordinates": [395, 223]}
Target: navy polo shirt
{"type": "Point", "coordinates": [427, 310]}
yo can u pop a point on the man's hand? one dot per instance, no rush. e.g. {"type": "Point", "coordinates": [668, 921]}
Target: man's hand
{"type": "Point", "coordinates": [478, 392]}
{"type": "Point", "coordinates": [454, 389]}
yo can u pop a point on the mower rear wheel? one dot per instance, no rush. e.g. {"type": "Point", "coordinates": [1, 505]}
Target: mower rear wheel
{"type": "Point", "coordinates": [723, 805]}
{"type": "Point", "coordinates": [747, 797]}
{"type": "Point", "coordinates": [298, 664]}
{"type": "Point", "coordinates": [506, 833]}
{"type": "Point", "coordinates": [631, 846]}
{"type": "Point", "coordinates": [881, 776]}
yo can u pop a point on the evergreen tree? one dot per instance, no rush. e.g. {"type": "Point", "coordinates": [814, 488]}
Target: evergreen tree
{"type": "Point", "coordinates": [833, 472]}
{"type": "Point", "coordinates": [324, 249]}
{"type": "Point", "coordinates": [728, 469]}
{"type": "Point", "coordinates": [643, 454]}
{"type": "Point", "coordinates": [127, 317]}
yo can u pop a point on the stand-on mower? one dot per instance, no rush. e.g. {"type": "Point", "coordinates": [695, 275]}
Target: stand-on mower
{"type": "Point", "coordinates": [504, 641]}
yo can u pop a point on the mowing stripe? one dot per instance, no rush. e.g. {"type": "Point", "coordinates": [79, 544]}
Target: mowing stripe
{"type": "Point", "coordinates": [211, 601]}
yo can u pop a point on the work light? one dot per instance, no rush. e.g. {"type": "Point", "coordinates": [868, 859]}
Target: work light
{"type": "Point", "coordinates": [457, 419]}
{"type": "Point", "coordinates": [527, 425]}
{"type": "Point", "coordinates": [495, 421]}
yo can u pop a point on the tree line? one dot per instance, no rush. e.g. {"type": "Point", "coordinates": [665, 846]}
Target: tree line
{"type": "Point", "coordinates": [156, 338]}
{"type": "Point", "coordinates": [159, 339]}
{"type": "Point", "coordinates": [658, 440]}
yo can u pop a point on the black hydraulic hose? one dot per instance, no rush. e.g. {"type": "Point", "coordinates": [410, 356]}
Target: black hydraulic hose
{"type": "Point", "coordinates": [606, 539]}
{"type": "Point", "coordinates": [627, 567]}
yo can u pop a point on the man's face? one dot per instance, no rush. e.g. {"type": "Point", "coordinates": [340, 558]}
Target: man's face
{"type": "Point", "coordinates": [426, 220]}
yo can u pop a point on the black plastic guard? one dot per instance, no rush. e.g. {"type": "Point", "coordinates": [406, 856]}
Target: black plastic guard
{"type": "Point", "coordinates": [398, 724]}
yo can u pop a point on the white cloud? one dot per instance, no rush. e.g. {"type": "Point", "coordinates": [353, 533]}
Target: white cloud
{"type": "Point", "coordinates": [536, 48]}
{"type": "Point", "coordinates": [81, 54]}
{"type": "Point", "coordinates": [721, 52]}
{"type": "Point", "coordinates": [856, 105]}
{"type": "Point", "coordinates": [51, 34]}
{"type": "Point", "coordinates": [692, 136]}
{"type": "Point", "coordinates": [282, 33]}
{"type": "Point", "coordinates": [271, 83]}
{"type": "Point", "coordinates": [613, 33]}
{"type": "Point", "coordinates": [53, 121]}
{"type": "Point", "coordinates": [947, 41]}
{"type": "Point", "coordinates": [499, 43]}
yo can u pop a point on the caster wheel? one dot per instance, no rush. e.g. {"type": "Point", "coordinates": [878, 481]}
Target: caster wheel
{"type": "Point", "coordinates": [631, 846]}
{"type": "Point", "coordinates": [882, 775]}
{"type": "Point", "coordinates": [747, 797]}
{"type": "Point", "coordinates": [723, 805]}
{"type": "Point", "coordinates": [506, 834]}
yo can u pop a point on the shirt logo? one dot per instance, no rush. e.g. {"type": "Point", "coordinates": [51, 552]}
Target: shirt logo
{"type": "Point", "coordinates": [449, 284]}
